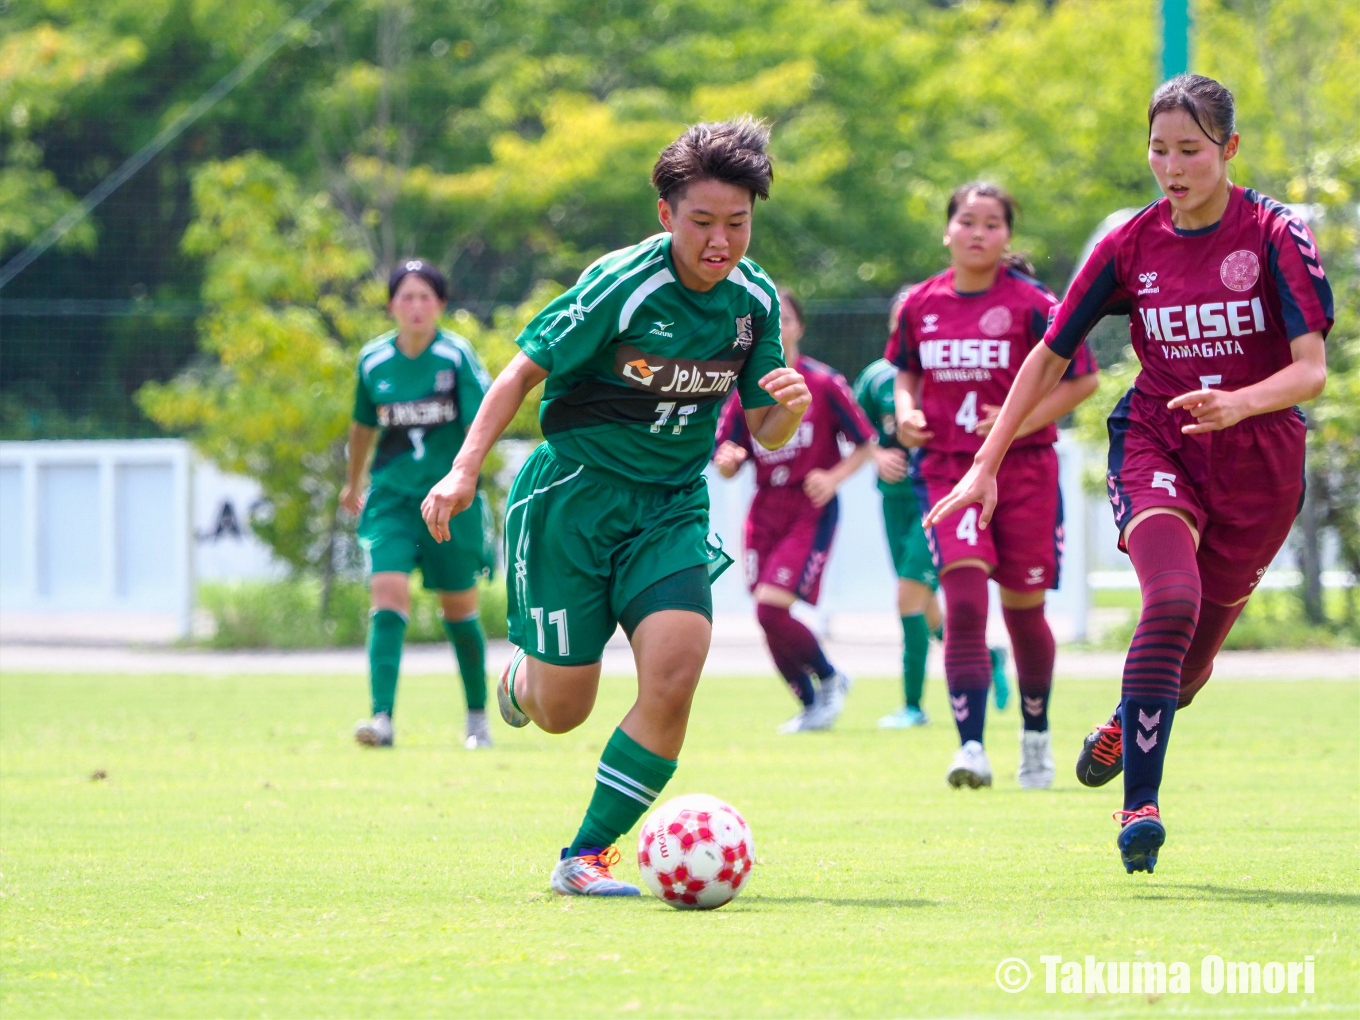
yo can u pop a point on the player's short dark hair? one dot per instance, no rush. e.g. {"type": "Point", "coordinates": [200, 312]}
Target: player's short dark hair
{"type": "Point", "coordinates": [787, 299]}
{"type": "Point", "coordinates": [1208, 102]}
{"type": "Point", "coordinates": [426, 270]}
{"type": "Point", "coordinates": [731, 151]}
{"type": "Point", "coordinates": [986, 189]}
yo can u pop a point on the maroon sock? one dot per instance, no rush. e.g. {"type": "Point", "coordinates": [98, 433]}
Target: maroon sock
{"type": "Point", "coordinates": [1215, 621]}
{"type": "Point", "coordinates": [794, 648]}
{"type": "Point", "coordinates": [1163, 553]}
{"type": "Point", "coordinates": [1032, 645]}
{"type": "Point", "coordinates": [967, 665]}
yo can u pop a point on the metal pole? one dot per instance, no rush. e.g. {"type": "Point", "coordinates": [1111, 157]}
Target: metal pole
{"type": "Point", "coordinates": [1175, 38]}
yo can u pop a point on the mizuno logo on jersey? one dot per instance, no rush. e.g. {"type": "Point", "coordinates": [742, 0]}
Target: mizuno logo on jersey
{"type": "Point", "coordinates": [657, 374]}
{"type": "Point", "coordinates": [660, 328]}
{"type": "Point", "coordinates": [965, 354]}
{"type": "Point", "coordinates": [1181, 329]}
{"type": "Point", "coordinates": [409, 413]}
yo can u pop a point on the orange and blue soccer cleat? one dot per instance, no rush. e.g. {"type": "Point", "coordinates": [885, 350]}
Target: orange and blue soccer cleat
{"type": "Point", "coordinates": [1102, 753]}
{"type": "Point", "coordinates": [587, 874]}
{"type": "Point", "coordinates": [1140, 837]}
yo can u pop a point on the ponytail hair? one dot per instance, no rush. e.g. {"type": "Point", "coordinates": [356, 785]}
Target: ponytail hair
{"type": "Point", "coordinates": [1019, 261]}
{"type": "Point", "coordinates": [986, 189]}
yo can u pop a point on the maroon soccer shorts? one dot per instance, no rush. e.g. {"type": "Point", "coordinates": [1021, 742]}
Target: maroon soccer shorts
{"type": "Point", "coordinates": [1023, 544]}
{"type": "Point", "coordinates": [787, 542]}
{"type": "Point", "coordinates": [1242, 486]}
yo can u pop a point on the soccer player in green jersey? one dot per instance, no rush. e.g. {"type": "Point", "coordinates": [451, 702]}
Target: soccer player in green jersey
{"type": "Point", "coordinates": [917, 582]}
{"type": "Point", "coordinates": [418, 388]}
{"type": "Point", "coordinates": [607, 522]}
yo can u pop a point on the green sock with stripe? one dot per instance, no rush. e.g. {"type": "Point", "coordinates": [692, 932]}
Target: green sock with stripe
{"type": "Point", "coordinates": [469, 648]}
{"type": "Point", "coordinates": [628, 780]}
{"type": "Point", "coordinates": [915, 644]}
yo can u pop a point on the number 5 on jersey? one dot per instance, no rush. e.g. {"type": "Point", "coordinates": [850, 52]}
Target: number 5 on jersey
{"type": "Point", "coordinates": [558, 620]}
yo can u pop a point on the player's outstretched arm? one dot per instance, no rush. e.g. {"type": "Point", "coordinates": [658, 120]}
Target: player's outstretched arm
{"type": "Point", "coordinates": [361, 439]}
{"type": "Point", "coordinates": [1036, 379]}
{"type": "Point", "coordinates": [773, 426]}
{"type": "Point", "coordinates": [1302, 380]}
{"type": "Point", "coordinates": [454, 493]}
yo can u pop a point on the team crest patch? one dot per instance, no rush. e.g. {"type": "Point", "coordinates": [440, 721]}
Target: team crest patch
{"type": "Point", "coordinates": [745, 333]}
{"type": "Point", "coordinates": [443, 380]}
{"type": "Point", "coordinates": [1240, 270]}
{"type": "Point", "coordinates": [995, 321]}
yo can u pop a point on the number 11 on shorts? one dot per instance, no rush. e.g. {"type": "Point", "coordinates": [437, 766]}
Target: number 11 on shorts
{"type": "Point", "coordinates": [557, 619]}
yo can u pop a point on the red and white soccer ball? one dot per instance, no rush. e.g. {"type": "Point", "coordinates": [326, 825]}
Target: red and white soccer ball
{"type": "Point", "coordinates": [695, 852]}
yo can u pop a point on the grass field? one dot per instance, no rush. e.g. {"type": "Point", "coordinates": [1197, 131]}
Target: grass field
{"type": "Point", "coordinates": [242, 857]}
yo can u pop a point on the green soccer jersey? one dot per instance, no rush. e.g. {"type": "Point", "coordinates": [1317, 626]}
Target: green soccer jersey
{"type": "Point", "coordinates": [874, 391]}
{"type": "Point", "coordinates": [423, 406]}
{"type": "Point", "coordinates": [639, 365]}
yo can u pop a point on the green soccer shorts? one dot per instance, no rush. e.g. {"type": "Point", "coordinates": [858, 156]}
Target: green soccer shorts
{"type": "Point", "coordinates": [907, 540]}
{"type": "Point", "coordinates": [578, 550]}
{"type": "Point", "coordinates": [394, 537]}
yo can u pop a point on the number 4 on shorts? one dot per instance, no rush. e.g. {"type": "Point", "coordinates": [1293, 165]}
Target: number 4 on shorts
{"type": "Point", "coordinates": [967, 529]}
{"type": "Point", "coordinates": [558, 620]}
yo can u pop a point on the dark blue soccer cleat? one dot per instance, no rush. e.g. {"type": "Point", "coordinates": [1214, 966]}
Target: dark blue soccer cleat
{"type": "Point", "coordinates": [1141, 836]}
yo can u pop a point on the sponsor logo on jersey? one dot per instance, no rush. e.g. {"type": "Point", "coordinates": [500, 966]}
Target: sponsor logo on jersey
{"type": "Point", "coordinates": [937, 354]}
{"type": "Point", "coordinates": [685, 376]}
{"type": "Point", "coordinates": [779, 475]}
{"type": "Point", "coordinates": [659, 329]}
{"type": "Point", "coordinates": [641, 372]}
{"type": "Point", "coordinates": [1147, 280]}
{"type": "Point", "coordinates": [929, 323]}
{"type": "Point", "coordinates": [1240, 270]}
{"type": "Point", "coordinates": [995, 321]}
{"type": "Point", "coordinates": [443, 380]}
{"type": "Point", "coordinates": [413, 413]}
{"type": "Point", "coordinates": [1193, 331]}
{"type": "Point", "coordinates": [746, 334]}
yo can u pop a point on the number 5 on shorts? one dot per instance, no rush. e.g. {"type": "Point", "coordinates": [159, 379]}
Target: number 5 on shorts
{"type": "Point", "coordinates": [558, 619]}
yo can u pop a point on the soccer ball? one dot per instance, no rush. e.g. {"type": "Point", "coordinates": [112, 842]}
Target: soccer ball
{"type": "Point", "coordinates": [695, 852]}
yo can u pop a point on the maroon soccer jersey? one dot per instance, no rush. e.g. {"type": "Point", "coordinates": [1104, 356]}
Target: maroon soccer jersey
{"type": "Point", "coordinates": [833, 411]}
{"type": "Point", "coordinates": [1215, 307]}
{"type": "Point", "coordinates": [967, 349]}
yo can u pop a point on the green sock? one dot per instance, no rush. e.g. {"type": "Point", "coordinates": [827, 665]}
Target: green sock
{"type": "Point", "coordinates": [915, 642]}
{"type": "Point", "coordinates": [628, 780]}
{"type": "Point", "coordinates": [469, 648]}
{"type": "Point", "coordinates": [386, 630]}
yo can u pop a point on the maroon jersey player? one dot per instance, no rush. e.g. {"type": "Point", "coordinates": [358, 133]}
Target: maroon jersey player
{"type": "Point", "coordinates": [792, 519]}
{"type": "Point", "coordinates": [1229, 307]}
{"type": "Point", "coordinates": [960, 339]}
